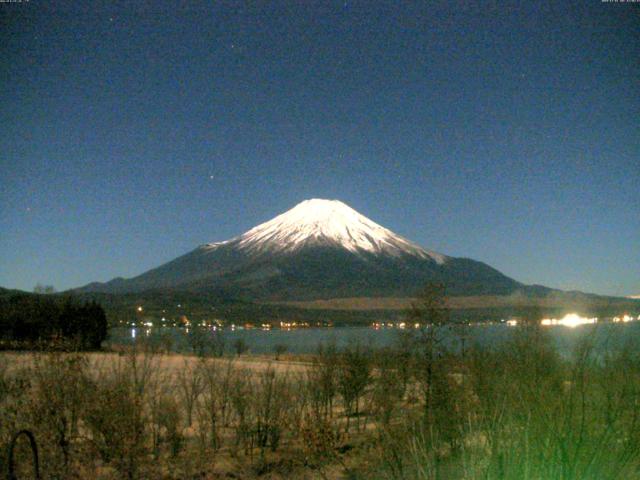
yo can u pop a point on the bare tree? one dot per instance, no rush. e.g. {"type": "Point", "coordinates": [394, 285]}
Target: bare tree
{"type": "Point", "coordinates": [354, 374]}
{"type": "Point", "coordinates": [190, 386]}
{"type": "Point", "coordinates": [430, 313]}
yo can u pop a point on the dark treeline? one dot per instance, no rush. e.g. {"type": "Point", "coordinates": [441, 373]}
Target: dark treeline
{"type": "Point", "coordinates": [27, 320]}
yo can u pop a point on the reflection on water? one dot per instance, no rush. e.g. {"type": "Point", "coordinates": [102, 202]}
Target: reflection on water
{"type": "Point", "coordinates": [307, 340]}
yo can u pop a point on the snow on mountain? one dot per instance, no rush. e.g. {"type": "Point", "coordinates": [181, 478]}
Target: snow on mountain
{"type": "Point", "coordinates": [326, 222]}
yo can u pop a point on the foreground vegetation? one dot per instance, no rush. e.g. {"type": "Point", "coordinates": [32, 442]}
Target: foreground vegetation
{"type": "Point", "coordinates": [422, 410]}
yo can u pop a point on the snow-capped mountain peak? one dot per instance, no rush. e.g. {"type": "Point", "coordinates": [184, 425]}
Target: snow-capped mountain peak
{"type": "Point", "coordinates": [327, 222]}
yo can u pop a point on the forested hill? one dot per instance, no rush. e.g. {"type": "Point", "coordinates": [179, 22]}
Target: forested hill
{"type": "Point", "coordinates": [28, 320]}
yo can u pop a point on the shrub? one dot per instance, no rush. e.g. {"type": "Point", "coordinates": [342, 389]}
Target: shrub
{"type": "Point", "coordinates": [240, 346]}
{"type": "Point", "coordinates": [279, 350]}
{"type": "Point", "coordinates": [116, 416]}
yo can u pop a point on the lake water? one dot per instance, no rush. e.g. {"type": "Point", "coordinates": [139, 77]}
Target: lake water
{"type": "Point", "coordinates": [307, 340]}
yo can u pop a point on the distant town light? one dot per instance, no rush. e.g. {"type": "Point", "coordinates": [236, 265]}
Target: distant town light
{"type": "Point", "coordinates": [139, 308]}
{"type": "Point", "coordinates": [570, 320]}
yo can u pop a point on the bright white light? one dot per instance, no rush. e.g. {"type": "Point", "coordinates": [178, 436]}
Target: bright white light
{"type": "Point", "coordinates": [133, 333]}
{"type": "Point", "coordinates": [570, 320]}
{"type": "Point", "coordinates": [512, 323]}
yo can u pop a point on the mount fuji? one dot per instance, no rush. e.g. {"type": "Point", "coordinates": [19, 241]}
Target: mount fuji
{"type": "Point", "coordinates": [319, 249]}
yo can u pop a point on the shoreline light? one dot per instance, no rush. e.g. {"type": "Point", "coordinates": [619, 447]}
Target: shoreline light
{"type": "Point", "coordinates": [624, 319]}
{"type": "Point", "coordinates": [570, 320]}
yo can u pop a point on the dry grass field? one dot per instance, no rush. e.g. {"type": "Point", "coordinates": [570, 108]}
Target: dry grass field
{"type": "Point", "coordinates": [169, 363]}
{"type": "Point", "coordinates": [416, 411]}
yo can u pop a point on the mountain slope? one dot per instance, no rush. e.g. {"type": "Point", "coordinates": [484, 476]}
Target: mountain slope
{"type": "Point", "coordinates": [318, 249]}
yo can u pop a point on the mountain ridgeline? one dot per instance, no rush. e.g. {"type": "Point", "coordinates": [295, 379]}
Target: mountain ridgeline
{"type": "Point", "coordinates": [319, 249]}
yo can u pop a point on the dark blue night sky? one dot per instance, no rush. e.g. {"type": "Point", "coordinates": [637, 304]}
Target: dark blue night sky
{"type": "Point", "coordinates": [506, 132]}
